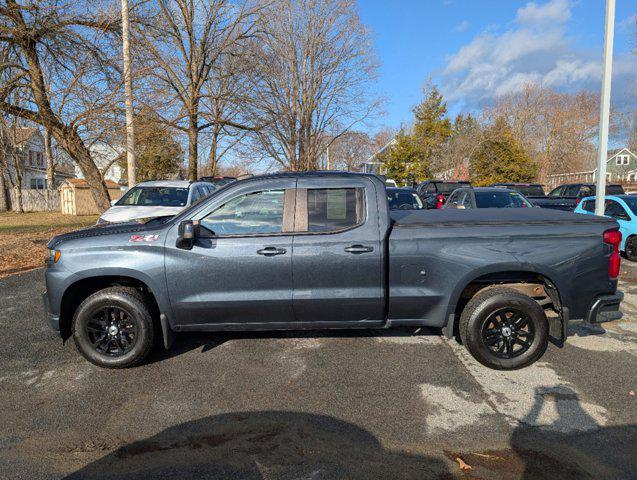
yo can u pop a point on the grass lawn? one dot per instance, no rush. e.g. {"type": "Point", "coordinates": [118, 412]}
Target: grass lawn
{"type": "Point", "coordinates": [23, 237]}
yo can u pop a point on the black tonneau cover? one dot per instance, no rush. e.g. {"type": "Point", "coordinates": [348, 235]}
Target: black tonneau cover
{"type": "Point", "coordinates": [494, 216]}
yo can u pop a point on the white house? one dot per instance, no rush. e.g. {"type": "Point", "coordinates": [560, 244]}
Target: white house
{"type": "Point", "coordinates": [106, 158]}
{"type": "Point", "coordinates": [26, 146]}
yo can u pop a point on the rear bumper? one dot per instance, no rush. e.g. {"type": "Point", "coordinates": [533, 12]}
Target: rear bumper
{"type": "Point", "coordinates": [605, 308]}
{"type": "Point", "coordinates": [52, 320]}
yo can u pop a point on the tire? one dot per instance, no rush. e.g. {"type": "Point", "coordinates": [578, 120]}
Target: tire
{"type": "Point", "coordinates": [504, 329]}
{"type": "Point", "coordinates": [109, 338]}
{"type": "Point", "coordinates": [630, 248]}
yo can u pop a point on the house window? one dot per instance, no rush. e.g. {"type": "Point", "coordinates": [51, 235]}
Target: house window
{"type": "Point", "coordinates": [36, 159]}
{"type": "Point", "coordinates": [38, 183]}
{"type": "Point", "coordinates": [622, 160]}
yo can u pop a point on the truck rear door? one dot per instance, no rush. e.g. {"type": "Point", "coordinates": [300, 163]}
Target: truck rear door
{"type": "Point", "coordinates": [337, 247]}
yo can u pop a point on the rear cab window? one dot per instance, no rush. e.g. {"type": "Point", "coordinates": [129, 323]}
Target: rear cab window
{"type": "Point", "coordinates": [334, 209]}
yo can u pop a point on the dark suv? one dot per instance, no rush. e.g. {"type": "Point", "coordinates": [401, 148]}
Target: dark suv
{"type": "Point", "coordinates": [434, 193]}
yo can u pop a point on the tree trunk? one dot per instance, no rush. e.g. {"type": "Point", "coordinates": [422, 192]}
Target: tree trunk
{"type": "Point", "coordinates": [17, 189]}
{"type": "Point", "coordinates": [48, 152]}
{"type": "Point", "coordinates": [212, 156]}
{"type": "Point", "coordinates": [4, 203]}
{"type": "Point", "coordinates": [193, 138]}
{"type": "Point", "coordinates": [68, 139]}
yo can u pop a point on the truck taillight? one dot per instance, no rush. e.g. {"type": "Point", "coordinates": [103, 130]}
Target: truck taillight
{"type": "Point", "coordinates": [613, 238]}
{"type": "Point", "coordinates": [440, 201]}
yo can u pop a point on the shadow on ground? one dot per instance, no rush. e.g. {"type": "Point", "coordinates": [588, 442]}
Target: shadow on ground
{"type": "Point", "coordinates": [572, 447]}
{"type": "Point", "coordinates": [187, 342]}
{"type": "Point", "coordinates": [283, 445]}
{"type": "Point", "coordinates": [262, 445]}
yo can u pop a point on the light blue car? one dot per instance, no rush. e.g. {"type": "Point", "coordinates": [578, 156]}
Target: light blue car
{"type": "Point", "coordinates": [623, 208]}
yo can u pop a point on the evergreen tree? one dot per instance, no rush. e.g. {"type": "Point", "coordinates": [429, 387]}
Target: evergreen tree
{"type": "Point", "coordinates": [411, 157]}
{"type": "Point", "coordinates": [500, 158]}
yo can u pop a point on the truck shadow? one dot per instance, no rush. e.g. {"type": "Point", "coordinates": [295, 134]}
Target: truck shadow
{"type": "Point", "coordinates": [262, 445]}
{"type": "Point", "coordinates": [187, 342]}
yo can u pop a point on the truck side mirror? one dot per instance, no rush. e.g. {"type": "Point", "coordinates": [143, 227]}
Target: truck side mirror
{"type": "Point", "coordinates": [186, 238]}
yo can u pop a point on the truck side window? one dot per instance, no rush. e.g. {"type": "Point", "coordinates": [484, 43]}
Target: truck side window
{"type": "Point", "coordinates": [255, 213]}
{"type": "Point", "coordinates": [571, 191]}
{"type": "Point", "coordinates": [466, 201]}
{"type": "Point", "coordinates": [334, 209]}
{"type": "Point", "coordinates": [557, 192]}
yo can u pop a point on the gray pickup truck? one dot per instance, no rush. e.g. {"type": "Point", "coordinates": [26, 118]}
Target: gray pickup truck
{"type": "Point", "coordinates": [322, 250]}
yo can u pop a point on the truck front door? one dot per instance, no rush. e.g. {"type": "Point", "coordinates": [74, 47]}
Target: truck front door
{"type": "Point", "coordinates": [337, 252]}
{"type": "Point", "coordinates": [242, 273]}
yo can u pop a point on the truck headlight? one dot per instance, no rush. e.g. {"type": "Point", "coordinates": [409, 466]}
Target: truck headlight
{"type": "Point", "coordinates": [52, 256]}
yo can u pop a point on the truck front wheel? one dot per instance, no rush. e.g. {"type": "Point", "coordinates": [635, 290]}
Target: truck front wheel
{"type": "Point", "coordinates": [504, 329]}
{"type": "Point", "coordinates": [113, 328]}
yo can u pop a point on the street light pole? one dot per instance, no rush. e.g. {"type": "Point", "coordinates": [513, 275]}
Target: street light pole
{"type": "Point", "coordinates": [128, 96]}
{"type": "Point", "coordinates": [604, 111]}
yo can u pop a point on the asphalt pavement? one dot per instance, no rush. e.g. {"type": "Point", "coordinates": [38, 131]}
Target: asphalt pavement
{"type": "Point", "coordinates": [314, 405]}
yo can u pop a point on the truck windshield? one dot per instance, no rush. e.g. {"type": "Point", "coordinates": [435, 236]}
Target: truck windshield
{"type": "Point", "coordinates": [501, 200]}
{"type": "Point", "coordinates": [155, 197]}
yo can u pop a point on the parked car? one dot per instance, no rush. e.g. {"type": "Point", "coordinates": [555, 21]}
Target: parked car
{"type": "Point", "coordinates": [434, 193]}
{"type": "Point", "coordinates": [486, 197]}
{"type": "Point", "coordinates": [567, 196]}
{"type": "Point", "coordinates": [323, 250]}
{"type": "Point", "coordinates": [391, 183]}
{"type": "Point", "coordinates": [403, 199]}
{"type": "Point", "coordinates": [529, 190]}
{"type": "Point", "coordinates": [155, 198]}
{"type": "Point", "coordinates": [623, 209]}
{"type": "Point", "coordinates": [218, 180]}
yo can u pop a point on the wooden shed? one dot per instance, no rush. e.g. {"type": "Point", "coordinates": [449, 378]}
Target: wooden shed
{"type": "Point", "coordinates": [76, 198]}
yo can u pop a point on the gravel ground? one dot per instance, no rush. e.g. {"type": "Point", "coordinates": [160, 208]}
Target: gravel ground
{"type": "Point", "coordinates": [315, 405]}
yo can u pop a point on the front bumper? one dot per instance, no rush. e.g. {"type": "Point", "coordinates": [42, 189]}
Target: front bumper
{"type": "Point", "coordinates": [52, 320]}
{"type": "Point", "coordinates": [605, 308]}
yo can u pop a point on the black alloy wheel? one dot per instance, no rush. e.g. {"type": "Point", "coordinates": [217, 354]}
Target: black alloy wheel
{"type": "Point", "coordinates": [508, 333]}
{"type": "Point", "coordinates": [114, 327]}
{"type": "Point", "coordinates": [630, 248]}
{"type": "Point", "coordinates": [112, 331]}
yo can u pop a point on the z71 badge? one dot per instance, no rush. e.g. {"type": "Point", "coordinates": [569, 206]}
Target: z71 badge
{"type": "Point", "coordinates": [143, 238]}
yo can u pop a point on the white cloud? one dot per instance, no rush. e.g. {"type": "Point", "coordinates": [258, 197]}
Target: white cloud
{"type": "Point", "coordinates": [554, 11]}
{"type": "Point", "coordinates": [534, 49]}
{"type": "Point", "coordinates": [462, 26]}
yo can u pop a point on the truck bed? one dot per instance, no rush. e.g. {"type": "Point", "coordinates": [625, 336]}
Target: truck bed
{"type": "Point", "coordinates": [485, 216]}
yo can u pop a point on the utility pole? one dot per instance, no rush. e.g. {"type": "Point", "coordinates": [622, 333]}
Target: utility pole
{"type": "Point", "coordinates": [604, 111]}
{"type": "Point", "coordinates": [128, 94]}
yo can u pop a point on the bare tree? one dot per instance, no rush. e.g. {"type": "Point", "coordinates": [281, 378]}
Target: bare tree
{"type": "Point", "coordinates": [350, 150]}
{"type": "Point", "coordinates": [556, 129]}
{"type": "Point", "coordinates": [12, 158]}
{"type": "Point", "coordinates": [59, 63]}
{"type": "Point", "coordinates": [312, 73]}
{"type": "Point", "coordinates": [183, 40]}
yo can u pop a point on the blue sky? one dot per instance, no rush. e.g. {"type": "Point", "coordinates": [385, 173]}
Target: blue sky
{"type": "Point", "coordinates": [478, 50]}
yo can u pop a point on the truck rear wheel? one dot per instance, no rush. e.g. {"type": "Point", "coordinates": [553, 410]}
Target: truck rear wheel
{"type": "Point", "coordinates": [113, 328]}
{"type": "Point", "coordinates": [504, 329]}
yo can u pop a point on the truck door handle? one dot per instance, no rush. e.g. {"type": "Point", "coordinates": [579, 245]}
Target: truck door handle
{"type": "Point", "coordinates": [359, 249]}
{"type": "Point", "coordinates": [271, 251]}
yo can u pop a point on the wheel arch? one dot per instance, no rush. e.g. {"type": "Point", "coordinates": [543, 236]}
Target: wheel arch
{"type": "Point", "coordinates": [524, 280]}
{"type": "Point", "coordinates": [78, 291]}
